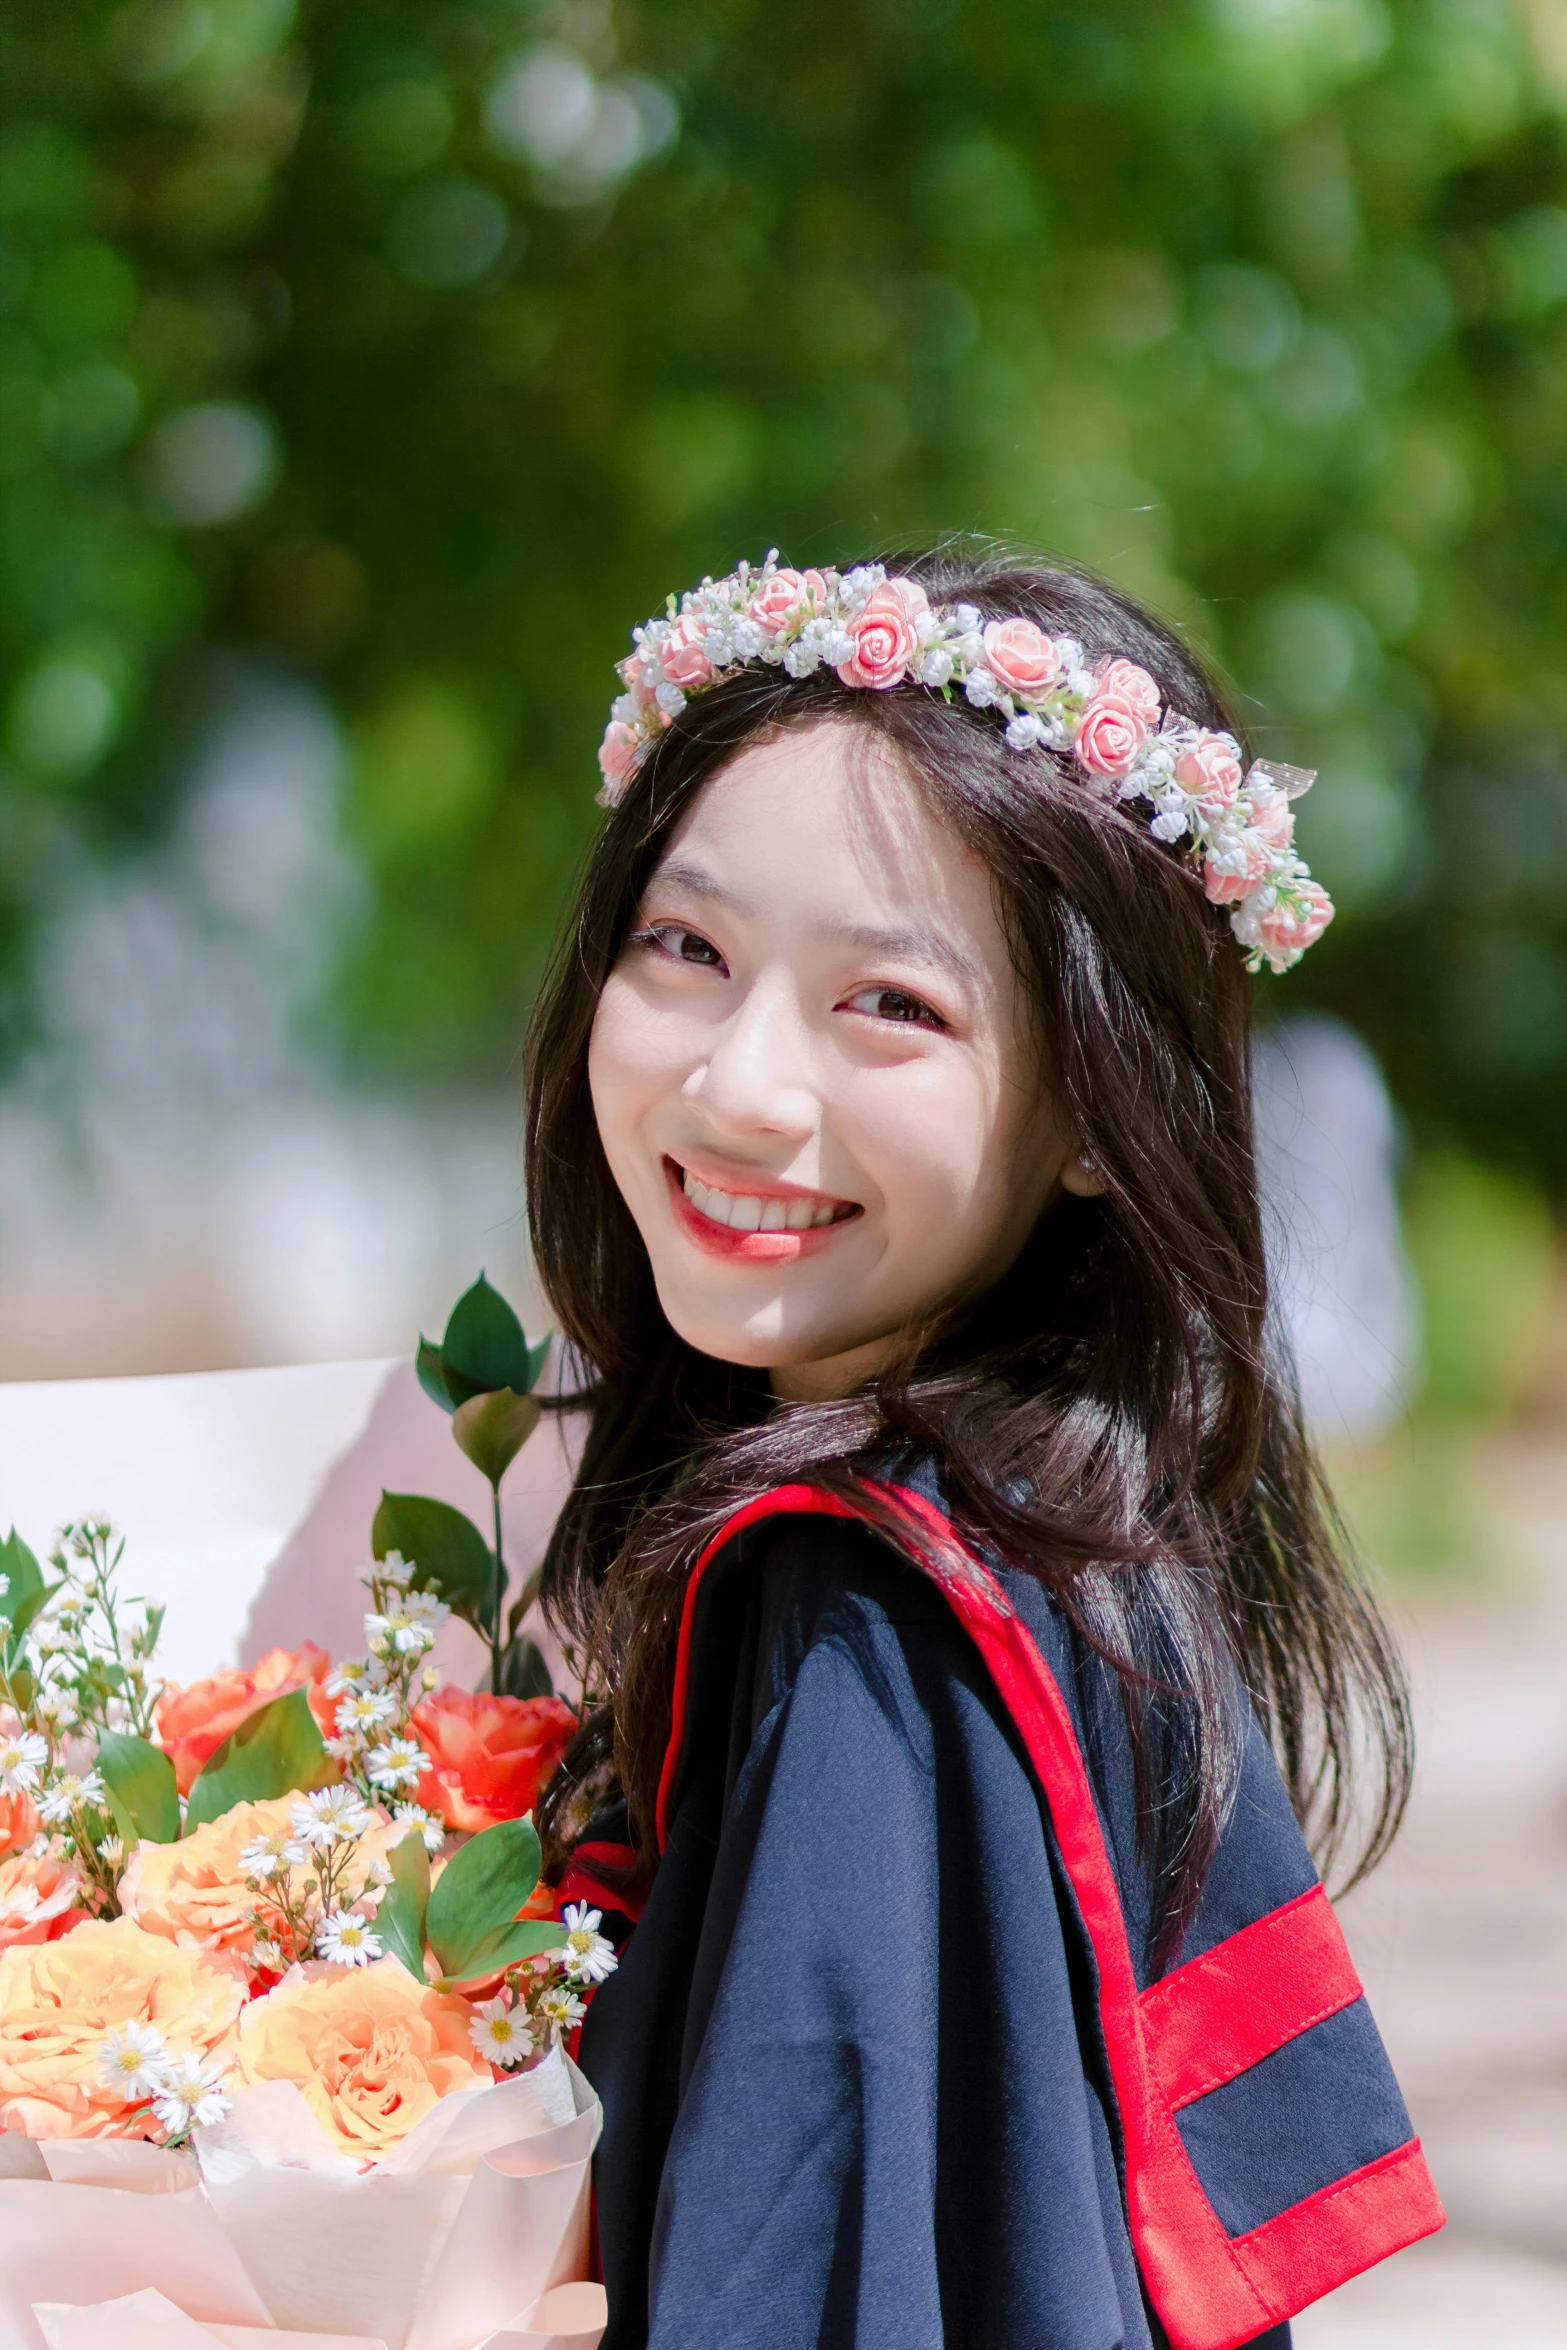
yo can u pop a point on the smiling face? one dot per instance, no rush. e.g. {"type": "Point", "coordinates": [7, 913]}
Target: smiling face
{"type": "Point", "coordinates": [813, 1069]}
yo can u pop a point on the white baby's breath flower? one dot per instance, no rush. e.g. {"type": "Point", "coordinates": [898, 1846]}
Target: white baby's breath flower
{"type": "Point", "coordinates": [22, 1757]}
{"type": "Point", "coordinates": [132, 2063]}
{"type": "Point", "coordinates": [401, 1762]}
{"type": "Point", "coordinates": [346, 1939]}
{"type": "Point", "coordinates": [500, 2032]}
{"type": "Point", "coordinates": [66, 1794]}
{"type": "Point", "coordinates": [589, 1955]}
{"type": "Point", "coordinates": [190, 2096]}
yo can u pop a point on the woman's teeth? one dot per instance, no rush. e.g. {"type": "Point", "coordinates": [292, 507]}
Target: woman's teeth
{"type": "Point", "coordinates": [743, 1212]}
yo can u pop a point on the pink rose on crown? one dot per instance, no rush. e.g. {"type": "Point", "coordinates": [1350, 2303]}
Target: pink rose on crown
{"type": "Point", "coordinates": [619, 753]}
{"type": "Point", "coordinates": [1109, 735]}
{"type": "Point", "coordinates": [777, 600]}
{"type": "Point", "coordinates": [684, 655]}
{"type": "Point", "coordinates": [1210, 770]}
{"type": "Point", "coordinates": [1020, 657]}
{"type": "Point", "coordinates": [1287, 930]}
{"type": "Point", "coordinates": [1252, 852]}
{"type": "Point", "coordinates": [1124, 681]}
{"type": "Point", "coordinates": [885, 637]}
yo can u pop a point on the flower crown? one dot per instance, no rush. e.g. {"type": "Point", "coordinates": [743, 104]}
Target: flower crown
{"type": "Point", "coordinates": [878, 632]}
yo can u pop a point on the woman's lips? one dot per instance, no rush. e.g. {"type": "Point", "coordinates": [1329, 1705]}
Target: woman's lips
{"type": "Point", "coordinates": [748, 1243]}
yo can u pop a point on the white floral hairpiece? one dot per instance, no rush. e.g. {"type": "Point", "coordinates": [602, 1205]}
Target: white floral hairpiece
{"type": "Point", "coordinates": [878, 632]}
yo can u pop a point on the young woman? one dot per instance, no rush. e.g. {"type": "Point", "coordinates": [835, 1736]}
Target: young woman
{"type": "Point", "coordinates": [972, 1627]}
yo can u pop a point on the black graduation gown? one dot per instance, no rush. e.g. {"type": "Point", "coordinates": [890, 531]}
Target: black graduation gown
{"type": "Point", "coordinates": [855, 2071]}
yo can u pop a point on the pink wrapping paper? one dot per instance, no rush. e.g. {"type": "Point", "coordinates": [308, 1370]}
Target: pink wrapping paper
{"type": "Point", "coordinates": [467, 2235]}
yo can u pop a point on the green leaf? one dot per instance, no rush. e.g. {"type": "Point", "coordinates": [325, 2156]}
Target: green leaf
{"type": "Point", "coordinates": [492, 1429]}
{"type": "Point", "coordinates": [140, 1780]}
{"type": "Point", "coordinates": [432, 1375]}
{"type": "Point", "coordinates": [478, 1894]}
{"type": "Point", "coordinates": [507, 1946]}
{"type": "Point", "coordinates": [483, 1347]}
{"type": "Point", "coordinates": [25, 1591]}
{"type": "Point", "coordinates": [277, 1750]}
{"type": "Point", "coordinates": [537, 1357]}
{"type": "Point", "coordinates": [450, 1555]}
{"type": "Point", "coordinates": [400, 1919]}
{"type": "Point", "coordinates": [523, 1670]}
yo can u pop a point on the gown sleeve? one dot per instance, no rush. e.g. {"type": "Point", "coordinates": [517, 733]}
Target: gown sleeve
{"type": "Point", "coordinates": [890, 2134]}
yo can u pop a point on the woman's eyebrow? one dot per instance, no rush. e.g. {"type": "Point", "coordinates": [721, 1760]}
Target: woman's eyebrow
{"type": "Point", "coordinates": [914, 942]}
{"type": "Point", "coordinates": [675, 874]}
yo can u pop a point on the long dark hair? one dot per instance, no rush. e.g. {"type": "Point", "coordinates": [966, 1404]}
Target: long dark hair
{"type": "Point", "coordinates": [1114, 1415]}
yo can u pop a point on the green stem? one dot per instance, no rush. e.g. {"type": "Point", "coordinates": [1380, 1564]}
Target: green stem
{"type": "Point", "coordinates": [498, 1595]}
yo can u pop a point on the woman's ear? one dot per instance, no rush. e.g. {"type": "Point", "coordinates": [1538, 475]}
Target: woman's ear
{"type": "Point", "coordinates": [1081, 1174]}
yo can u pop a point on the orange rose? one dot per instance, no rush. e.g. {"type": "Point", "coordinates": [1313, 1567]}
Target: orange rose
{"type": "Point", "coordinates": [489, 1756]}
{"type": "Point", "coordinates": [369, 2050]}
{"type": "Point", "coordinates": [37, 1899]}
{"type": "Point", "coordinates": [194, 1721]}
{"type": "Point", "coordinates": [19, 1822]}
{"type": "Point", "coordinates": [57, 2001]}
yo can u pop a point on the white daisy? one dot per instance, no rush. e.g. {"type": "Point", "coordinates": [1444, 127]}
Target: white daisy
{"type": "Point", "coordinates": [267, 1856]}
{"type": "Point", "coordinates": [394, 1569]}
{"type": "Point", "coordinates": [132, 2063]}
{"type": "Point", "coordinates": [189, 2097]}
{"type": "Point", "coordinates": [346, 1940]}
{"type": "Point", "coordinates": [367, 1709]}
{"type": "Point", "coordinates": [21, 1760]}
{"type": "Point", "coordinates": [500, 2032]}
{"type": "Point", "coordinates": [590, 1955]}
{"type": "Point", "coordinates": [331, 1815]}
{"type": "Point", "coordinates": [65, 1794]}
{"type": "Point", "coordinates": [401, 1762]}
{"type": "Point", "coordinates": [112, 1851]}
{"type": "Point", "coordinates": [413, 1815]}
{"type": "Point", "coordinates": [561, 2007]}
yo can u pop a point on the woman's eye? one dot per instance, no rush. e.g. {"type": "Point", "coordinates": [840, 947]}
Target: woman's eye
{"type": "Point", "coordinates": [895, 1003]}
{"type": "Point", "coordinates": [684, 946]}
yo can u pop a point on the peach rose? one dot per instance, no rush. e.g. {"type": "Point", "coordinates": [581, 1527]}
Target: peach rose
{"type": "Point", "coordinates": [58, 1999]}
{"type": "Point", "coordinates": [1210, 770]}
{"type": "Point", "coordinates": [489, 1756]}
{"type": "Point", "coordinates": [194, 1892]}
{"type": "Point", "coordinates": [1124, 681]}
{"type": "Point", "coordinates": [193, 1722]}
{"type": "Point", "coordinates": [1109, 736]}
{"type": "Point", "coordinates": [38, 1899]}
{"type": "Point", "coordinates": [19, 1822]}
{"type": "Point", "coordinates": [684, 656]}
{"type": "Point", "coordinates": [369, 2049]}
{"type": "Point", "coordinates": [1284, 931]}
{"type": "Point", "coordinates": [1258, 846]}
{"type": "Point", "coordinates": [1020, 657]}
{"type": "Point", "coordinates": [619, 753]}
{"type": "Point", "coordinates": [885, 636]}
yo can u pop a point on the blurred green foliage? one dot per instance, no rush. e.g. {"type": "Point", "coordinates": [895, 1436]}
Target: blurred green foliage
{"type": "Point", "coordinates": [427, 345]}
{"type": "Point", "coordinates": [1484, 1256]}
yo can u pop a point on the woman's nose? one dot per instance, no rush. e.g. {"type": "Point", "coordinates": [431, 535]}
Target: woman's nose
{"type": "Point", "coordinates": [760, 1075]}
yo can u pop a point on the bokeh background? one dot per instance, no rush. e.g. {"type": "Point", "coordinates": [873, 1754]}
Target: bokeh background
{"type": "Point", "coordinates": [366, 370]}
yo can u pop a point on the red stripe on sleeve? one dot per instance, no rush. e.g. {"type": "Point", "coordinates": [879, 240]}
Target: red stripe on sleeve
{"type": "Point", "coordinates": [1247, 1996]}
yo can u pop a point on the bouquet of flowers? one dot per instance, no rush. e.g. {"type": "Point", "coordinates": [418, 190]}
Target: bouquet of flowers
{"type": "Point", "coordinates": [284, 2006]}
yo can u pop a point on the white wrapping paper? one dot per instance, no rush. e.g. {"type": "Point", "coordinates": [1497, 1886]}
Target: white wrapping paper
{"type": "Point", "coordinates": [460, 2236]}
